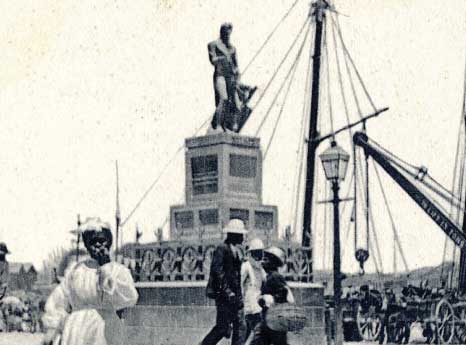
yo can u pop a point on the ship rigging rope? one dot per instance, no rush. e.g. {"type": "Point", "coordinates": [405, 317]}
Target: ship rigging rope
{"type": "Point", "coordinates": [458, 178]}
{"type": "Point", "coordinates": [390, 215]}
{"type": "Point", "coordinates": [336, 24]}
{"type": "Point", "coordinates": [327, 70]}
{"type": "Point", "coordinates": [340, 80]}
{"type": "Point", "coordinates": [355, 204]}
{"type": "Point", "coordinates": [437, 188]}
{"type": "Point", "coordinates": [353, 89]}
{"type": "Point", "coordinates": [261, 97]}
{"type": "Point", "coordinates": [289, 76]}
{"type": "Point", "coordinates": [159, 176]}
{"type": "Point", "coordinates": [377, 257]}
{"type": "Point", "coordinates": [326, 227]}
{"type": "Point", "coordinates": [369, 217]}
{"type": "Point", "coordinates": [270, 36]}
{"type": "Point", "coordinates": [301, 146]}
{"type": "Point", "coordinates": [347, 197]}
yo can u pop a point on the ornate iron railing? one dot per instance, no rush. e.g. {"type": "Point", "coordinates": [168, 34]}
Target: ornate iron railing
{"type": "Point", "coordinates": [175, 261]}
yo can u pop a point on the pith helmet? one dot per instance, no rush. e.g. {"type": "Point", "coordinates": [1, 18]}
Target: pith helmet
{"type": "Point", "coordinates": [235, 226]}
{"type": "Point", "coordinates": [3, 248]}
{"type": "Point", "coordinates": [256, 244]}
{"type": "Point", "coordinates": [276, 253]}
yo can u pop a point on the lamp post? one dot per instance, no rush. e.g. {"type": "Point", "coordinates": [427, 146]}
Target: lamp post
{"type": "Point", "coordinates": [335, 163]}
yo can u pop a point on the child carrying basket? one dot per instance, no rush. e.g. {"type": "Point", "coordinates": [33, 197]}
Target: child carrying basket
{"type": "Point", "coordinates": [280, 314]}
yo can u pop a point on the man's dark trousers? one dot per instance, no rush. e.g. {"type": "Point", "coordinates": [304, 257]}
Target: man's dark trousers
{"type": "Point", "coordinates": [227, 315]}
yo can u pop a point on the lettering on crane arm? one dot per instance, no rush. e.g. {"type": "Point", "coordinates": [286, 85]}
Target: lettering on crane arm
{"type": "Point", "coordinates": [447, 226]}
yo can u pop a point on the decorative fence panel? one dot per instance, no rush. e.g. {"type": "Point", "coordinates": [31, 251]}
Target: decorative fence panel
{"type": "Point", "coordinates": [175, 261]}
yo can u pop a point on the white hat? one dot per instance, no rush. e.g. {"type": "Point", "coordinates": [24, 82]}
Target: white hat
{"type": "Point", "coordinates": [235, 226]}
{"type": "Point", "coordinates": [256, 244]}
{"type": "Point", "coordinates": [94, 224]}
{"type": "Point", "coordinates": [277, 253]}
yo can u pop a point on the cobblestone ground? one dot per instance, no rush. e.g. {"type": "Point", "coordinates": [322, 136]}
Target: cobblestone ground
{"type": "Point", "coordinates": [20, 339]}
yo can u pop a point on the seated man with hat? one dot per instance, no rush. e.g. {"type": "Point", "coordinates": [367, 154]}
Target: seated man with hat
{"type": "Point", "coordinates": [224, 286]}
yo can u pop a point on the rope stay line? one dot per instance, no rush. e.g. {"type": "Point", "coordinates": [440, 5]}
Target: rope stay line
{"type": "Point", "coordinates": [327, 69]}
{"type": "Point", "coordinates": [340, 79]}
{"type": "Point", "coordinates": [392, 221]}
{"type": "Point", "coordinates": [420, 174]}
{"type": "Point", "coordinates": [342, 211]}
{"type": "Point", "coordinates": [353, 89]}
{"type": "Point", "coordinates": [336, 23]}
{"type": "Point", "coordinates": [269, 83]}
{"type": "Point", "coordinates": [301, 145]}
{"type": "Point", "coordinates": [280, 22]}
{"type": "Point", "coordinates": [290, 77]}
{"type": "Point", "coordinates": [377, 257]}
{"type": "Point", "coordinates": [326, 227]}
{"type": "Point", "coordinates": [159, 176]}
{"type": "Point", "coordinates": [459, 171]}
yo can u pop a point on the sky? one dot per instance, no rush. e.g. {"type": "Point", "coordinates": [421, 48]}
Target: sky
{"type": "Point", "coordinates": [86, 83]}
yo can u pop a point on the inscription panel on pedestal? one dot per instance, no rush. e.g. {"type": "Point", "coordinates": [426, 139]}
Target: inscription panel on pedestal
{"type": "Point", "coordinates": [204, 172]}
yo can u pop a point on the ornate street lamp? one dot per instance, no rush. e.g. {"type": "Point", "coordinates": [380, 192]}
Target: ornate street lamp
{"type": "Point", "coordinates": [335, 162]}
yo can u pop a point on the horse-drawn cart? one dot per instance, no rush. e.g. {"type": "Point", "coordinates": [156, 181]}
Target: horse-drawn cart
{"type": "Point", "coordinates": [442, 317]}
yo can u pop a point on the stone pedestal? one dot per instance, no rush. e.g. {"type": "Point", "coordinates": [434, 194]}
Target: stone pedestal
{"type": "Point", "coordinates": [223, 181]}
{"type": "Point", "coordinates": [178, 313]}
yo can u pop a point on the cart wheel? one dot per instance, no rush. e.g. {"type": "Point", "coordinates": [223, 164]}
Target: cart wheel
{"type": "Point", "coordinates": [445, 321]}
{"type": "Point", "coordinates": [368, 325]}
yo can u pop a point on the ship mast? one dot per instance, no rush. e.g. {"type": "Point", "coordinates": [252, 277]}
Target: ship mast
{"type": "Point", "coordinates": [319, 7]}
{"type": "Point", "coordinates": [462, 268]}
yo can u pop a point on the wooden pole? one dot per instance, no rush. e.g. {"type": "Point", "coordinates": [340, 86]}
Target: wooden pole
{"type": "Point", "coordinates": [337, 265]}
{"type": "Point", "coordinates": [319, 7]}
{"type": "Point", "coordinates": [117, 212]}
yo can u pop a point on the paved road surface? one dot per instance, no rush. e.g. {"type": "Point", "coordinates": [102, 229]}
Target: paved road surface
{"type": "Point", "coordinates": [20, 339]}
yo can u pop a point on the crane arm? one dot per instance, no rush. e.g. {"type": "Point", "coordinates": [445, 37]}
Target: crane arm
{"type": "Point", "coordinates": [428, 206]}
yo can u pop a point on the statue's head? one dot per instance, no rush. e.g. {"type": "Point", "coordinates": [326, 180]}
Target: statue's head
{"type": "Point", "coordinates": [225, 31]}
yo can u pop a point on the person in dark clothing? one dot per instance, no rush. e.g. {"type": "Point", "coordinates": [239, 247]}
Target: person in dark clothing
{"type": "Point", "coordinates": [274, 290]}
{"type": "Point", "coordinates": [4, 269]}
{"type": "Point", "coordinates": [389, 308]}
{"type": "Point", "coordinates": [225, 287]}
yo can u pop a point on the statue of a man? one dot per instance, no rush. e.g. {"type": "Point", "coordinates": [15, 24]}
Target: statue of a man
{"type": "Point", "coordinates": [231, 96]}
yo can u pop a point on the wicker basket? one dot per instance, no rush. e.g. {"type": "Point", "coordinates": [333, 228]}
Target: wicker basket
{"type": "Point", "coordinates": [285, 317]}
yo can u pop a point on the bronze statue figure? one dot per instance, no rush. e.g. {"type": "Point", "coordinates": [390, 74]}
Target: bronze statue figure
{"type": "Point", "coordinates": [231, 96]}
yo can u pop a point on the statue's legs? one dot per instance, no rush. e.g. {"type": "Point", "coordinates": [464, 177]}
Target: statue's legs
{"type": "Point", "coordinates": [221, 102]}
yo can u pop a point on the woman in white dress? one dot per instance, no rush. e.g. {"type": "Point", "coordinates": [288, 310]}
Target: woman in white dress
{"type": "Point", "coordinates": [252, 278]}
{"type": "Point", "coordinates": [82, 310]}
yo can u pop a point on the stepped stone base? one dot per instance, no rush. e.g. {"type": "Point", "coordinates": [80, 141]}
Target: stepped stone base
{"type": "Point", "coordinates": [178, 313]}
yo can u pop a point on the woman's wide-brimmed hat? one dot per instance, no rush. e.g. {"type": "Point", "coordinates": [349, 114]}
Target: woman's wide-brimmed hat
{"type": "Point", "coordinates": [255, 244]}
{"type": "Point", "coordinates": [94, 227]}
{"type": "Point", "coordinates": [3, 248]}
{"type": "Point", "coordinates": [235, 226]}
{"type": "Point", "coordinates": [277, 253]}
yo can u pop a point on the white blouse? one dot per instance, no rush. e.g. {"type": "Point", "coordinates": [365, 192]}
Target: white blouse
{"type": "Point", "coordinates": [82, 309]}
{"type": "Point", "coordinates": [252, 277]}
